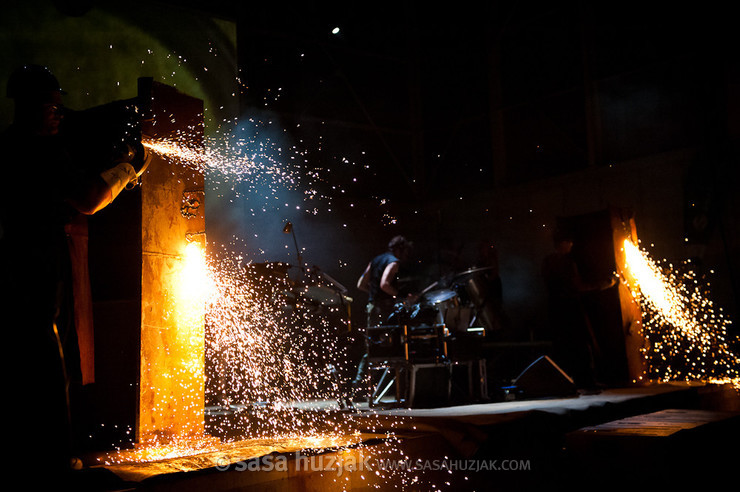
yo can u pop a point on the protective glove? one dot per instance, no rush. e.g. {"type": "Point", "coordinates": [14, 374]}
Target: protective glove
{"type": "Point", "coordinates": [118, 177]}
{"type": "Point", "coordinates": [138, 157]}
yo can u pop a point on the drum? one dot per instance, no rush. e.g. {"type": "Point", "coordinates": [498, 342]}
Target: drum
{"type": "Point", "coordinates": [427, 343]}
{"type": "Point", "coordinates": [439, 296]}
{"type": "Point", "coordinates": [458, 317]}
{"type": "Point", "coordinates": [446, 305]}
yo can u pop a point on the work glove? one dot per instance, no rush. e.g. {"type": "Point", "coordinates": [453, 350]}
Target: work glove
{"type": "Point", "coordinates": [138, 157]}
{"type": "Point", "coordinates": [119, 177]}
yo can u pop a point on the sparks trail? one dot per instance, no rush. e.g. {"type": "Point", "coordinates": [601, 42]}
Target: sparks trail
{"type": "Point", "coordinates": [687, 338]}
{"type": "Point", "coordinates": [259, 165]}
{"type": "Point", "coordinates": [231, 163]}
{"type": "Point", "coordinates": [265, 170]}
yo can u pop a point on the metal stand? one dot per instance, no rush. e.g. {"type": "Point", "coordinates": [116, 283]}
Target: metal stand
{"type": "Point", "coordinates": [393, 375]}
{"type": "Point", "coordinates": [400, 352]}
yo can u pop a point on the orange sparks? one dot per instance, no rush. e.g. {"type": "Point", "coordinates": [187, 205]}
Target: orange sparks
{"type": "Point", "coordinates": [688, 337]}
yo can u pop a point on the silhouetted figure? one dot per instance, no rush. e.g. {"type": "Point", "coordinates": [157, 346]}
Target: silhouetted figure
{"type": "Point", "coordinates": [380, 281]}
{"type": "Point", "coordinates": [574, 345]}
{"type": "Point", "coordinates": [45, 193]}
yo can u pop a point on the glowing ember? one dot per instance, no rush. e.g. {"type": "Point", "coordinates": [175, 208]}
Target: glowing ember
{"type": "Point", "coordinates": [687, 337]}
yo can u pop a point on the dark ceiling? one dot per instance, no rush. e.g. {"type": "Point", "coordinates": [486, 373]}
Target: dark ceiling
{"type": "Point", "coordinates": [419, 88]}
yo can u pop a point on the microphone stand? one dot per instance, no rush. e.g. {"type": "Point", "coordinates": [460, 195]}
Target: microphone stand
{"type": "Point", "coordinates": [288, 229]}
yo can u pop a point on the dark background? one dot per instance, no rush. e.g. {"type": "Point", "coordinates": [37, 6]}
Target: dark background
{"type": "Point", "coordinates": [490, 120]}
{"type": "Point", "coordinates": [451, 124]}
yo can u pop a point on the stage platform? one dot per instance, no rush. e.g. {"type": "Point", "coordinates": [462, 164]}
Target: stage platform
{"type": "Point", "coordinates": [664, 432]}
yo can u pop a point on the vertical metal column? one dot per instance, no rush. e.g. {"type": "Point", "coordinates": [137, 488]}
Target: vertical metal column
{"type": "Point", "coordinates": [172, 382]}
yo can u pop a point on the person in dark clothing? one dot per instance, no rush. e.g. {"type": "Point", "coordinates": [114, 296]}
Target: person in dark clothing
{"type": "Point", "coordinates": [380, 281]}
{"type": "Point", "coordinates": [575, 347]}
{"type": "Point", "coordinates": [44, 192]}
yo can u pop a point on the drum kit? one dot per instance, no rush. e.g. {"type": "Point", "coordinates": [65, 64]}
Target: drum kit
{"type": "Point", "coordinates": [427, 335]}
{"type": "Point", "coordinates": [462, 303]}
{"type": "Point", "coordinates": [459, 307]}
{"type": "Point", "coordinates": [415, 333]}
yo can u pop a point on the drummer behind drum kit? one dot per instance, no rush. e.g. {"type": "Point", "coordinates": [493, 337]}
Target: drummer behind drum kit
{"type": "Point", "coordinates": [415, 338]}
{"type": "Point", "coordinates": [466, 303]}
{"type": "Point", "coordinates": [461, 307]}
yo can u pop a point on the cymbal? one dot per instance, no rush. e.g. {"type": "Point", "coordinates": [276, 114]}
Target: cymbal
{"type": "Point", "coordinates": [437, 296]}
{"type": "Point", "coordinates": [469, 273]}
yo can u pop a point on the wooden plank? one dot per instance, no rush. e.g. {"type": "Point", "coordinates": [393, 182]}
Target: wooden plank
{"type": "Point", "coordinates": [658, 424]}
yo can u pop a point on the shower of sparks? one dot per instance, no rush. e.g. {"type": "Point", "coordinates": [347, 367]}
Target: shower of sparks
{"type": "Point", "coordinates": [276, 360]}
{"type": "Point", "coordinates": [236, 164]}
{"type": "Point", "coordinates": [267, 352]}
{"type": "Point", "coordinates": [257, 165]}
{"type": "Point", "coordinates": [687, 337]}
{"type": "Point", "coordinates": [268, 355]}
{"type": "Point", "coordinates": [268, 349]}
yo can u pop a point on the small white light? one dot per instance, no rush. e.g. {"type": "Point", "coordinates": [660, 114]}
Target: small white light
{"type": "Point", "coordinates": [335, 30]}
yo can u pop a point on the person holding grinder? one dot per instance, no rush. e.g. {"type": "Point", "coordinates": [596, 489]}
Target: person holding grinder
{"type": "Point", "coordinates": [45, 196]}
